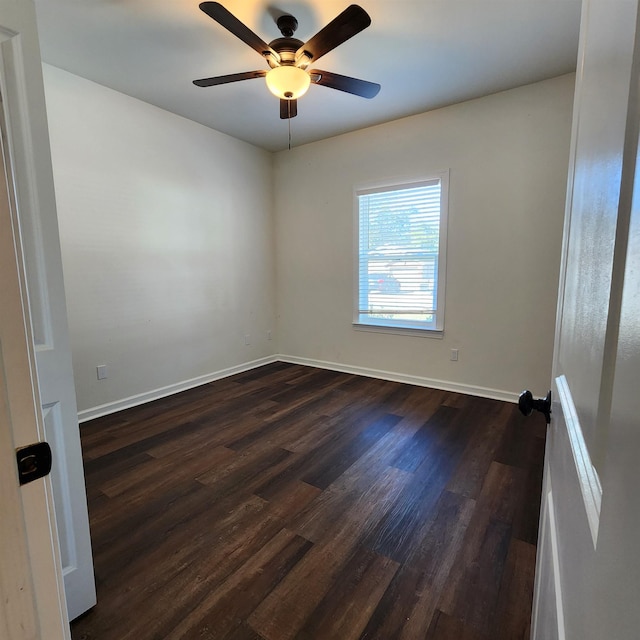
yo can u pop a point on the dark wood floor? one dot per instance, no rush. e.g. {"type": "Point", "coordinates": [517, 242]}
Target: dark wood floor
{"type": "Point", "coordinates": [292, 502]}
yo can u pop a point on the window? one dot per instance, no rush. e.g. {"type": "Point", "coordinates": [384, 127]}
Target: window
{"type": "Point", "coordinates": [401, 256]}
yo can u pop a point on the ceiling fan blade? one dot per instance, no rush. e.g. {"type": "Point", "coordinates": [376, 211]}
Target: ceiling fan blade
{"type": "Point", "coordinates": [232, 77]}
{"type": "Point", "coordinates": [223, 17]}
{"type": "Point", "coordinates": [350, 22]}
{"type": "Point", "coordinates": [288, 109]}
{"type": "Point", "coordinates": [357, 87]}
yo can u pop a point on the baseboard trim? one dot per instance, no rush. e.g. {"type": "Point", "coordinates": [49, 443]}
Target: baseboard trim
{"type": "Point", "coordinates": [419, 381]}
{"type": "Point", "coordinates": [162, 392]}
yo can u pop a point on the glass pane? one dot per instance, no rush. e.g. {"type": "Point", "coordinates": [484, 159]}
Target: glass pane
{"type": "Point", "coordinates": [399, 238]}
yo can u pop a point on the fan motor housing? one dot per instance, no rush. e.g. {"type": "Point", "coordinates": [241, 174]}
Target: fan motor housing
{"type": "Point", "coordinates": [286, 48]}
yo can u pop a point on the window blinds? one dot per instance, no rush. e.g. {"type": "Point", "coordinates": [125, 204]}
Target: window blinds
{"type": "Point", "coordinates": [398, 251]}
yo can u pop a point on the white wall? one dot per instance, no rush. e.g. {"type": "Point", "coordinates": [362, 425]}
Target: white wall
{"type": "Point", "coordinates": [508, 158]}
{"type": "Point", "coordinates": [178, 240]}
{"type": "Point", "coordinates": [167, 242]}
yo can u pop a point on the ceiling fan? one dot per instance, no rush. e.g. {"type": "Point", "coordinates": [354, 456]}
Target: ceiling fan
{"type": "Point", "coordinates": [288, 58]}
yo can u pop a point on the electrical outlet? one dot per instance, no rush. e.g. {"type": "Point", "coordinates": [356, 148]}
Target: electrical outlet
{"type": "Point", "coordinates": [247, 339]}
{"type": "Point", "coordinates": [269, 334]}
{"type": "Point", "coordinates": [454, 355]}
{"type": "Point", "coordinates": [101, 370]}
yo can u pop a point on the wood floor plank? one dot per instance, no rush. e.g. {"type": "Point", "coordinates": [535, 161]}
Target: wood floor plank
{"type": "Point", "coordinates": [223, 610]}
{"type": "Point", "coordinates": [320, 430]}
{"type": "Point", "coordinates": [193, 579]}
{"type": "Point", "coordinates": [136, 482]}
{"type": "Point", "coordinates": [424, 440]}
{"type": "Point", "coordinates": [337, 501]}
{"type": "Point", "coordinates": [290, 502]}
{"type": "Point", "coordinates": [339, 460]}
{"type": "Point", "coordinates": [209, 432]}
{"type": "Point", "coordinates": [471, 594]}
{"type": "Point", "coordinates": [245, 632]}
{"type": "Point", "coordinates": [243, 471]}
{"type": "Point", "coordinates": [481, 449]}
{"type": "Point", "coordinates": [445, 627]}
{"type": "Point", "coordinates": [315, 460]}
{"type": "Point", "coordinates": [418, 405]}
{"type": "Point", "coordinates": [476, 602]}
{"type": "Point", "coordinates": [120, 529]}
{"type": "Point", "coordinates": [512, 621]}
{"type": "Point", "coordinates": [285, 610]}
{"type": "Point", "coordinates": [345, 610]}
{"type": "Point", "coordinates": [400, 529]}
{"type": "Point", "coordinates": [168, 541]}
{"type": "Point", "coordinates": [409, 603]}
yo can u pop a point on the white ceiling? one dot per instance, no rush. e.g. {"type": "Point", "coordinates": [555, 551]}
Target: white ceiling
{"type": "Point", "coordinates": [425, 53]}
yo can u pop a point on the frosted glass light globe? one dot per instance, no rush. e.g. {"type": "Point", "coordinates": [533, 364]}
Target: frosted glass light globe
{"type": "Point", "coordinates": [288, 82]}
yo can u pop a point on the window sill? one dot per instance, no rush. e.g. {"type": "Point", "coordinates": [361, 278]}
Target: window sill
{"type": "Point", "coordinates": [406, 331]}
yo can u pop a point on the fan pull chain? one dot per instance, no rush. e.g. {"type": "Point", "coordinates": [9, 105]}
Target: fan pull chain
{"type": "Point", "coordinates": [289, 121]}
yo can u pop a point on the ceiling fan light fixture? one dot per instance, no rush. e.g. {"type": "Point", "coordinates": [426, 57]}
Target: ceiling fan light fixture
{"type": "Point", "coordinates": [288, 82]}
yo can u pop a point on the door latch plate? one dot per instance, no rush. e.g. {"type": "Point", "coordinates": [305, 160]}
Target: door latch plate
{"type": "Point", "coordinates": [34, 461]}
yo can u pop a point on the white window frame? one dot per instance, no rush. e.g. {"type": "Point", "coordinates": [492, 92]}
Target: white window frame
{"type": "Point", "coordinates": [379, 325]}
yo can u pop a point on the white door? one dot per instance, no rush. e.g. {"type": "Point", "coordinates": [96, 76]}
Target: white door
{"type": "Point", "coordinates": [588, 568]}
{"type": "Point", "coordinates": [32, 603]}
{"type": "Point", "coordinates": [25, 137]}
